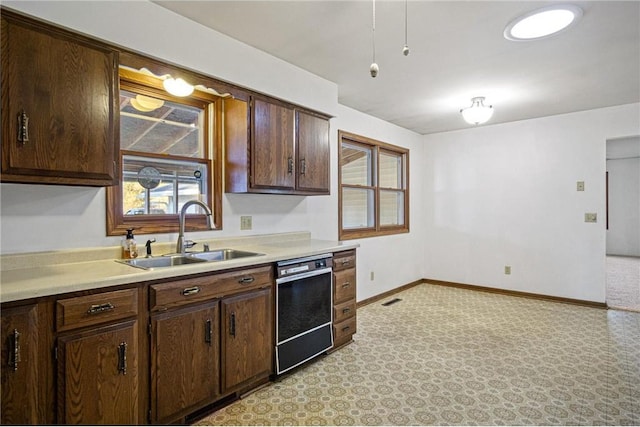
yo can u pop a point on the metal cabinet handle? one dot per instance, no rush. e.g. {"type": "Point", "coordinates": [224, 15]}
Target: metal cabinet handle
{"type": "Point", "coordinates": [14, 350]}
{"type": "Point", "coordinates": [208, 332]}
{"type": "Point", "coordinates": [303, 166]}
{"type": "Point", "coordinates": [346, 310]}
{"type": "Point", "coordinates": [122, 358]}
{"type": "Point", "coordinates": [246, 280]}
{"type": "Point", "coordinates": [346, 328]}
{"type": "Point", "coordinates": [190, 291]}
{"type": "Point", "coordinates": [232, 325]}
{"type": "Point", "coordinates": [290, 165]}
{"type": "Point", "coordinates": [100, 308]}
{"type": "Point", "coordinates": [346, 262]}
{"type": "Point", "coordinates": [346, 284]}
{"type": "Point", "coordinates": [23, 127]}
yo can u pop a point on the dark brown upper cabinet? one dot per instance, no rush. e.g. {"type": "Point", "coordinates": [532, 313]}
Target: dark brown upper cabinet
{"type": "Point", "coordinates": [275, 148]}
{"type": "Point", "coordinates": [60, 122]}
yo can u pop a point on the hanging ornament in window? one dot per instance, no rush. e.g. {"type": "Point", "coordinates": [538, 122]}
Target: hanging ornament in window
{"type": "Point", "coordinates": [149, 177]}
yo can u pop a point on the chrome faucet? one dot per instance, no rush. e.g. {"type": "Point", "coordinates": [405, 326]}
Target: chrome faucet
{"type": "Point", "coordinates": [180, 246]}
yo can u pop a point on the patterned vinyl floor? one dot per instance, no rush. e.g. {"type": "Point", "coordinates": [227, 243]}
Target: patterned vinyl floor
{"type": "Point", "coordinates": [446, 356]}
{"type": "Point", "coordinates": [623, 283]}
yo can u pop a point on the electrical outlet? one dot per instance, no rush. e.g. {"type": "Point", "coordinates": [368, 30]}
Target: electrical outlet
{"type": "Point", "coordinates": [245, 223]}
{"type": "Point", "coordinates": [507, 269]}
{"type": "Point", "coordinates": [580, 186]}
{"type": "Point", "coordinates": [372, 276]}
{"type": "Point", "coordinates": [590, 217]}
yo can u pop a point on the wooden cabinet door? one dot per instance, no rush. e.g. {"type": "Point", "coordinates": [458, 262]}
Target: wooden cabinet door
{"type": "Point", "coordinates": [247, 339]}
{"type": "Point", "coordinates": [98, 376]}
{"type": "Point", "coordinates": [66, 85]}
{"type": "Point", "coordinates": [20, 365]}
{"type": "Point", "coordinates": [312, 134]}
{"type": "Point", "coordinates": [184, 360]}
{"type": "Point", "coordinates": [272, 151]}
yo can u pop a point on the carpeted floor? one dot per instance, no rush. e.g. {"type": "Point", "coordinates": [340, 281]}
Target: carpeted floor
{"type": "Point", "coordinates": [623, 282]}
{"type": "Point", "coordinates": [446, 356]}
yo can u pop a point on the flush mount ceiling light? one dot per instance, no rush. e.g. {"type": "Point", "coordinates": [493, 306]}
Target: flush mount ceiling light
{"type": "Point", "coordinates": [177, 87]}
{"type": "Point", "coordinates": [543, 22]}
{"type": "Point", "coordinates": [478, 113]}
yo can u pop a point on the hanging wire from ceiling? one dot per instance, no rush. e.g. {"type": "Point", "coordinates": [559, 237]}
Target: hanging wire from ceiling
{"type": "Point", "coordinates": [374, 67]}
{"type": "Point", "coordinates": [405, 49]}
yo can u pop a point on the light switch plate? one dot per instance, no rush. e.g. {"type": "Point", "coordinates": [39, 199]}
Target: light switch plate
{"type": "Point", "coordinates": [580, 186]}
{"type": "Point", "coordinates": [590, 217]}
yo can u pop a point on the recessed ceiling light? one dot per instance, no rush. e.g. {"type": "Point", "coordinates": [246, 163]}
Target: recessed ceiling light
{"type": "Point", "coordinates": [543, 22]}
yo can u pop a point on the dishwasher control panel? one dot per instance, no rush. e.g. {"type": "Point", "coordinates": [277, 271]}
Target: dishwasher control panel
{"type": "Point", "coordinates": [304, 265]}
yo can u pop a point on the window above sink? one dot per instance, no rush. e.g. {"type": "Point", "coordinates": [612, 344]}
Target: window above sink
{"type": "Point", "coordinates": [170, 154]}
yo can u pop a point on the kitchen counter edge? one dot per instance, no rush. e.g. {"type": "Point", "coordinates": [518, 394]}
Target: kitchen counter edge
{"type": "Point", "coordinates": [48, 280]}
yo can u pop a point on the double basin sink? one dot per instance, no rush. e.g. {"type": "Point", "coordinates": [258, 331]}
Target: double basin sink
{"type": "Point", "coordinates": [172, 260]}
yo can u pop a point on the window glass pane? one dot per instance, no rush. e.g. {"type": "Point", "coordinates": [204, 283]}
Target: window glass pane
{"type": "Point", "coordinates": [390, 170]}
{"type": "Point", "coordinates": [357, 208]}
{"type": "Point", "coordinates": [356, 165]}
{"type": "Point", "coordinates": [391, 207]}
{"type": "Point", "coordinates": [161, 186]}
{"type": "Point", "coordinates": [134, 200]}
{"type": "Point", "coordinates": [153, 125]}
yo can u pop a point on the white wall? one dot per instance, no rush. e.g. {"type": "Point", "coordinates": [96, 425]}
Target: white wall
{"type": "Point", "coordinates": [480, 198]}
{"type": "Point", "coordinates": [506, 195]}
{"type": "Point", "coordinates": [395, 260]}
{"type": "Point", "coordinates": [40, 218]}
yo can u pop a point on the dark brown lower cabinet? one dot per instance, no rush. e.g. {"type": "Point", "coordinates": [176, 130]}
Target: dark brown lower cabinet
{"type": "Point", "coordinates": [98, 375]}
{"type": "Point", "coordinates": [184, 361]}
{"type": "Point", "coordinates": [20, 365]}
{"type": "Point", "coordinates": [247, 343]}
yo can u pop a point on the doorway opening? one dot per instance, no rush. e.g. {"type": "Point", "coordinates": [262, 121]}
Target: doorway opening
{"type": "Point", "coordinates": [623, 223]}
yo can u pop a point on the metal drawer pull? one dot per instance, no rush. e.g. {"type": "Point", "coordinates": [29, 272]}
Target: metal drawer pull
{"type": "Point", "coordinates": [346, 261]}
{"type": "Point", "coordinates": [99, 308]}
{"type": "Point", "coordinates": [346, 328]}
{"type": "Point", "coordinates": [14, 352]}
{"type": "Point", "coordinates": [346, 284]}
{"type": "Point", "coordinates": [246, 280]}
{"type": "Point", "coordinates": [232, 325]}
{"type": "Point", "coordinates": [208, 332]}
{"type": "Point", "coordinates": [345, 310]}
{"type": "Point", "coordinates": [23, 127]}
{"type": "Point", "coordinates": [122, 358]}
{"type": "Point", "coordinates": [190, 291]}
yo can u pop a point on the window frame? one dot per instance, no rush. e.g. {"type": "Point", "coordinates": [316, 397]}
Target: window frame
{"type": "Point", "coordinates": [117, 223]}
{"type": "Point", "coordinates": [376, 148]}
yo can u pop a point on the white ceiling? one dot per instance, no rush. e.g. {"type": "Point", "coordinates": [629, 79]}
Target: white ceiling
{"type": "Point", "coordinates": [457, 52]}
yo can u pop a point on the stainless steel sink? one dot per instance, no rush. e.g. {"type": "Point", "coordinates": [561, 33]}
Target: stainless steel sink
{"type": "Point", "coordinates": [222, 254]}
{"type": "Point", "coordinates": [162, 261]}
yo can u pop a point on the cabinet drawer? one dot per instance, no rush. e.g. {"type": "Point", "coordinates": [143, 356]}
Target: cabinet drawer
{"type": "Point", "coordinates": [181, 292]}
{"type": "Point", "coordinates": [343, 331]}
{"type": "Point", "coordinates": [344, 260]}
{"type": "Point", "coordinates": [344, 285]}
{"type": "Point", "coordinates": [344, 311]}
{"type": "Point", "coordinates": [94, 309]}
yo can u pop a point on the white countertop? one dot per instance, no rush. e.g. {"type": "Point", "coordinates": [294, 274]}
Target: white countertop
{"type": "Point", "coordinates": [27, 276]}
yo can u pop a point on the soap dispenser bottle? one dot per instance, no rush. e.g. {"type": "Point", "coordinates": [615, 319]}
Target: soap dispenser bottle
{"type": "Point", "coordinates": [129, 246]}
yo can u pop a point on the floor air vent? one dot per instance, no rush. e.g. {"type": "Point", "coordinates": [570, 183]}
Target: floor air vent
{"type": "Point", "coordinates": [393, 301]}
